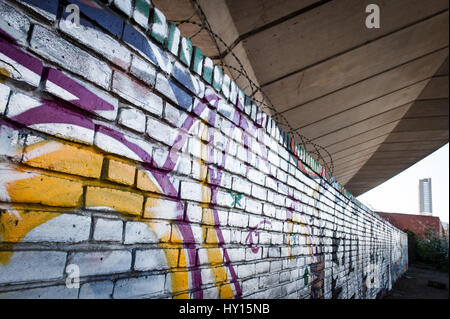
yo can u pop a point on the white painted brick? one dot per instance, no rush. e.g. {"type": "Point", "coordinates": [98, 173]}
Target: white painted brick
{"type": "Point", "coordinates": [250, 286]}
{"type": "Point", "coordinates": [271, 183]}
{"type": "Point", "coordinates": [100, 42]}
{"type": "Point", "coordinates": [273, 158]}
{"type": "Point", "coordinates": [142, 17]}
{"type": "Point", "coordinates": [277, 239]}
{"type": "Point", "coordinates": [268, 281]}
{"type": "Point", "coordinates": [226, 234]}
{"type": "Point", "coordinates": [233, 92]}
{"type": "Point", "coordinates": [256, 176]}
{"type": "Point", "coordinates": [277, 226]}
{"type": "Point", "coordinates": [264, 238]}
{"type": "Point", "coordinates": [191, 191]}
{"type": "Point", "coordinates": [137, 94]}
{"type": "Point", "coordinates": [235, 236]}
{"type": "Point", "coordinates": [159, 27]}
{"type": "Point", "coordinates": [226, 199]}
{"type": "Point", "coordinates": [68, 56]}
{"type": "Point", "coordinates": [253, 206]}
{"type": "Point", "coordinates": [124, 5]}
{"type": "Point", "coordinates": [52, 292]}
{"type": "Point", "coordinates": [161, 132]}
{"type": "Point", "coordinates": [14, 23]}
{"type": "Point", "coordinates": [269, 210]}
{"type": "Point", "coordinates": [245, 271]}
{"type": "Point", "coordinates": [221, 214]}
{"type": "Point", "coordinates": [277, 199]}
{"type": "Point", "coordinates": [143, 70]}
{"type": "Point", "coordinates": [27, 266]}
{"type": "Point", "coordinates": [96, 290]}
{"type": "Point", "coordinates": [111, 145]}
{"type": "Point", "coordinates": [183, 165]}
{"type": "Point", "coordinates": [137, 232]}
{"type": "Point", "coordinates": [66, 228]}
{"type": "Point", "coordinates": [238, 220]}
{"type": "Point", "coordinates": [207, 276]}
{"type": "Point", "coordinates": [245, 235]}
{"type": "Point", "coordinates": [255, 220]}
{"type": "Point", "coordinates": [150, 259]}
{"type": "Point", "coordinates": [275, 266]}
{"type": "Point", "coordinates": [163, 86]}
{"type": "Point", "coordinates": [197, 232]}
{"type": "Point", "coordinates": [262, 267]}
{"type": "Point", "coordinates": [228, 111]}
{"type": "Point", "coordinates": [11, 142]}
{"type": "Point", "coordinates": [259, 192]}
{"type": "Point", "coordinates": [108, 230]}
{"type": "Point", "coordinates": [236, 254]}
{"type": "Point", "coordinates": [233, 165]}
{"type": "Point", "coordinates": [203, 255]}
{"type": "Point", "coordinates": [241, 185]}
{"type": "Point", "coordinates": [104, 262]}
{"type": "Point", "coordinates": [250, 255]}
{"type": "Point", "coordinates": [274, 252]}
{"type": "Point", "coordinates": [160, 155]}
{"type": "Point", "coordinates": [226, 85]}
{"type": "Point", "coordinates": [20, 103]}
{"type": "Point", "coordinates": [158, 208]}
{"type": "Point", "coordinates": [133, 119]}
{"type": "Point", "coordinates": [4, 96]}
{"type": "Point", "coordinates": [139, 287]}
{"type": "Point", "coordinates": [59, 84]}
{"type": "Point", "coordinates": [174, 115]}
{"type": "Point", "coordinates": [211, 293]}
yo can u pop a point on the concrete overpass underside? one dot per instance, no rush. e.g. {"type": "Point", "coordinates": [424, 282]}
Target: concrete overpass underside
{"type": "Point", "coordinates": [375, 99]}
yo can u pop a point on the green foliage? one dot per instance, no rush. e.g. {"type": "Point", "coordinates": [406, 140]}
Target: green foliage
{"type": "Point", "coordinates": [431, 249]}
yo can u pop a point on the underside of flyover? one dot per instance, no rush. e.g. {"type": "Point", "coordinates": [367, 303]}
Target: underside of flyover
{"type": "Point", "coordinates": [375, 99]}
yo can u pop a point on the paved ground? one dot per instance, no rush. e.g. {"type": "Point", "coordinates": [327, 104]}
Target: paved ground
{"type": "Point", "coordinates": [414, 284]}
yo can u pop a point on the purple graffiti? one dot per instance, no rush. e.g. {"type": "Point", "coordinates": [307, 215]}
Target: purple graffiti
{"type": "Point", "coordinates": [253, 230]}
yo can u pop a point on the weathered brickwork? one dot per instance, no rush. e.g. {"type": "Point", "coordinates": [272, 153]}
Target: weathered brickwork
{"type": "Point", "coordinates": [126, 152]}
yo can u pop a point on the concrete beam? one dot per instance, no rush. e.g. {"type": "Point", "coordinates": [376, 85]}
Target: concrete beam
{"type": "Point", "coordinates": [368, 90]}
{"type": "Point", "coordinates": [300, 40]}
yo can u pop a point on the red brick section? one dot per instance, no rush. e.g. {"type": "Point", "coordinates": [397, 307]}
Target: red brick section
{"type": "Point", "coordinates": [417, 223]}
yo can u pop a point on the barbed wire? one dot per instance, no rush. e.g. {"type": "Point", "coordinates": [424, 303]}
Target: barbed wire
{"type": "Point", "coordinates": [265, 103]}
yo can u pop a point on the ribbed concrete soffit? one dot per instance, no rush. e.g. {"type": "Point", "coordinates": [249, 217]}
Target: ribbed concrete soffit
{"type": "Point", "coordinates": [332, 81]}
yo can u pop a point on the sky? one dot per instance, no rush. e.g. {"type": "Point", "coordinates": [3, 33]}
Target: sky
{"type": "Point", "coordinates": [400, 194]}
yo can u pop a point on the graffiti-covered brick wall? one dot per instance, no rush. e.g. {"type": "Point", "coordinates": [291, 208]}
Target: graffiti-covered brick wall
{"type": "Point", "coordinates": [131, 166]}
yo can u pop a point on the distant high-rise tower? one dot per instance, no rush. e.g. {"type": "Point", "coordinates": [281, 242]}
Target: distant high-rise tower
{"type": "Point", "coordinates": [425, 207]}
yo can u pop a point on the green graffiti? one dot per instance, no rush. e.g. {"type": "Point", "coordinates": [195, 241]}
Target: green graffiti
{"type": "Point", "coordinates": [236, 198]}
{"type": "Point", "coordinates": [306, 276]}
{"type": "Point", "coordinates": [143, 7]}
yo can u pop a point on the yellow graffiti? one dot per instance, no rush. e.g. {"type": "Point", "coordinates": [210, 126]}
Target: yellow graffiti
{"type": "Point", "coordinates": [46, 190]}
{"type": "Point", "coordinates": [121, 201]}
{"type": "Point", "coordinates": [60, 157]}
{"type": "Point", "coordinates": [145, 183]}
{"type": "Point", "coordinates": [214, 253]}
{"type": "Point", "coordinates": [289, 232]}
{"type": "Point", "coordinates": [4, 73]}
{"type": "Point", "coordinates": [43, 181]}
{"type": "Point", "coordinates": [14, 228]}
